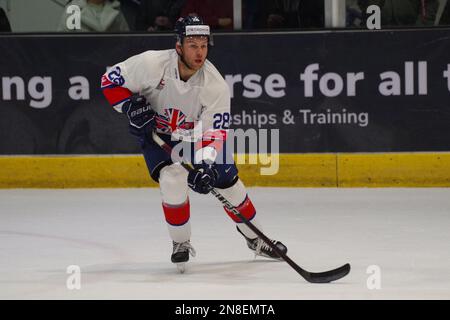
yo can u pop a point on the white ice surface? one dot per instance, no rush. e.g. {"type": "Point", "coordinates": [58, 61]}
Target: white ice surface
{"type": "Point", "coordinates": [119, 239]}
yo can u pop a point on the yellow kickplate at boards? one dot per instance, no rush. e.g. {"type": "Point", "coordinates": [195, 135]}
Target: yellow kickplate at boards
{"type": "Point", "coordinates": [74, 172]}
{"type": "Point", "coordinates": [278, 170]}
{"type": "Point", "coordinates": [289, 170]}
{"type": "Point", "coordinates": [394, 170]}
{"type": "Point", "coordinates": [284, 170]}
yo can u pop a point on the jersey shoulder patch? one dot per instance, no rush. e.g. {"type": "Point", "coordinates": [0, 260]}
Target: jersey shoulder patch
{"type": "Point", "coordinates": [114, 76]}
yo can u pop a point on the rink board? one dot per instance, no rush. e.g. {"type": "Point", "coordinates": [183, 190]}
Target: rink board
{"type": "Point", "coordinates": [295, 170]}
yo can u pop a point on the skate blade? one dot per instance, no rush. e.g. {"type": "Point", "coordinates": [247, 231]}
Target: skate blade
{"type": "Point", "coordinates": [268, 257]}
{"type": "Point", "coordinates": [181, 267]}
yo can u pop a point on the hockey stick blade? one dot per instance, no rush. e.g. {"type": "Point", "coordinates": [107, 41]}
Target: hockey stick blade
{"type": "Point", "coordinates": [327, 276]}
{"type": "Point", "coordinates": [313, 277]}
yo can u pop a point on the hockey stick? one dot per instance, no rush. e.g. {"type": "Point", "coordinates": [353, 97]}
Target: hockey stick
{"type": "Point", "coordinates": [313, 277]}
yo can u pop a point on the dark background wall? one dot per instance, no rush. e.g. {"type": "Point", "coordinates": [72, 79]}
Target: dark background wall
{"type": "Point", "coordinates": [52, 115]}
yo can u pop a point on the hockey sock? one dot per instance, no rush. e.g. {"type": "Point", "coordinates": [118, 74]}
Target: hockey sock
{"type": "Point", "coordinates": [174, 193]}
{"type": "Point", "coordinates": [177, 218]}
{"type": "Point", "coordinates": [238, 197]}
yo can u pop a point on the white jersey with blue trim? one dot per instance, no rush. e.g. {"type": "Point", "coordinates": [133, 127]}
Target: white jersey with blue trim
{"type": "Point", "coordinates": [204, 98]}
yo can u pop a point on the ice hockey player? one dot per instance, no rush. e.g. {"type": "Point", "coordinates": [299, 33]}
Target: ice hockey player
{"type": "Point", "coordinates": [179, 90]}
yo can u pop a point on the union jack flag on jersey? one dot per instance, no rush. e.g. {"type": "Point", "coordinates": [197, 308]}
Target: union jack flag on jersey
{"type": "Point", "coordinates": [171, 120]}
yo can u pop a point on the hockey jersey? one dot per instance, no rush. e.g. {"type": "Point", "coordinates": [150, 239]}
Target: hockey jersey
{"type": "Point", "coordinates": [200, 104]}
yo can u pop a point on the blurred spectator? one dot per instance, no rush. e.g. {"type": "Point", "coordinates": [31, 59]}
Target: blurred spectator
{"type": "Point", "coordinates": [312, 14]}
{"type": "Point", "coordinates": [217, 13]}
{"type": "Point", "coordinates": [249, 14]}
{"type": "Point", "coordinates": [4, 23]}
{"type": "Point", "coordinates": [427, 12]}
{"type": "Point", "coordinates": [354, 15]}
{"type": "Point", "coordinates": [158, 15]}
{"type": "Point", "coordinates": [404, 12]}
{"type": "Point", "coordinates": [445, 17]}
{"type": "Point", "coordinates": [280, 14]}
{"type": "Point", "coordinates": [96, 16]}
{"type": "Point", "coordinates": [130, 10]}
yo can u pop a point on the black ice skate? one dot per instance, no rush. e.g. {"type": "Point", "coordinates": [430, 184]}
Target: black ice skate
{"type": "Point", "coordinates": [262, 249]}
{"type": "Point", "coordinates": [181, 253]}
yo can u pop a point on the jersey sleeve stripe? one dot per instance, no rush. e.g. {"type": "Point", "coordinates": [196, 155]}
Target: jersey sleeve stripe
{"type": "Point", "coordinates": [116, 95]}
